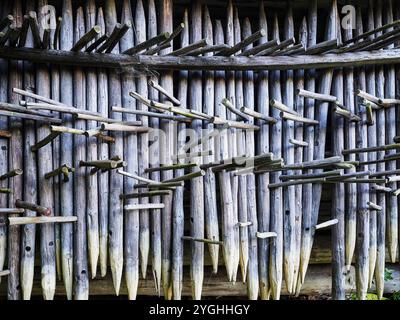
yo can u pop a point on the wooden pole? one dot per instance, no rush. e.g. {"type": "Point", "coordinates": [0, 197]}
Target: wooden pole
{"type": "Point", "coordinates": [131, 228]}
{"type": "Point", "coordinates": [232, 149]}
{"type": "Point", "coordinates": [289, 193]}
{"type": "Point", "coordinates": [211, 211]}
{"type": "Point", "coordinates": [197, 184]}
{"type": "Point", "coordinates": [263, 146]}
{"type": "Point", "coordinates": [154, 160]}
{"type": "Point", "coordinates": [92, 191]}
{"type": "Point", "coordinates": [166, 81]}
{"type": "Point", "coordinates": [4, 143]}
{"type": "Point", "coordinates": [363, 214]}
{"type": "Point", "coordinates": [15, 158]}
{"type": "Point", "coordinates": [353, 132]}
{"type": "Point", "coordinates": [241, 150]}
{"type": "Point", "coordinates": [143, 141]}
{"type": "Point", "coordinates": [299, 152]}
{"type": "Point", "coordinates": [338, 201]}
{"type": "Point", "coordinates": [324, 87]}
{"type": "Point", "coordinates": [116, 182]}
{"type": "Point", "coordinates": [103, 154]}
{"type": "Point", "coordinates": [227, 219]}
{"type": "Point", "coordinates": [81, 289]}
{"type": "Point", "coordinates": [66, 189]}
{"type": "Point", "coordinates": [178, 197]}
{"type": "Point", "coordinates": [276, 209]}
{"type": "Point", "coordinates": [55, 95]}
{"type": "Point", "coordinates": [249, 100]}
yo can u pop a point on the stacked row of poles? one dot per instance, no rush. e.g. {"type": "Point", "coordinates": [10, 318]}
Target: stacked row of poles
{"type": "Point", "coordinates": [82, 156]}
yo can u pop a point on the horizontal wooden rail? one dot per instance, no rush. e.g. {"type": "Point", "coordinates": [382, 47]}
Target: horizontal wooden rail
{"type": "Point", "coordinates": [144, 62]}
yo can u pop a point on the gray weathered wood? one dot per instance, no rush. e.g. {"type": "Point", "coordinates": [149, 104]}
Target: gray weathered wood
{"type": "Point", "coordinates": [143, 141]}
{"type": "Point", "coordinates": [166, 81]}
{"type": "Point", "coordinates": [115, 226]}
{"type": "Point", "coordinates": [249, 100]}
{"type": "Point", "coordinates": [131, 222]}
{"type": "Point", "coordinates": [276, 205]}
{"type": "Point", "coordinates": [81, 272]}
{"type": "Point", "coordinates": [197, 184]}
{"type": "Point", "coordinates": [263, 146]}
{"type": "Point", "coordinates": [232, 109]}
{"type": "Point", "coordinates": [92, 199]}
{"type": "Point", "coordinates": [66, 189]}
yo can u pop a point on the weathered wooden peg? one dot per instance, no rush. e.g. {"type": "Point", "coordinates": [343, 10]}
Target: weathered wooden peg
{"type": "Point", "coordinates": [5, 134]}
{"type": "Point", "coordinates": [65, 170]}
{"type": "Point", "coordinates": [147, 44]}
{"type": "Point", "coordinates": [11, 174]}
{"type": "Point", "coordinates": [298, 143]}
{"type": "Point", "coordinates": [296, 118]}
{"type": "Point", "coordinates": [45, 141]}
{"type": "Point", "coordinates": [89, 36]}
{"type": "Point", "coordinates": [15, 221]}
{"type": "Point", "coordinates": [43, 211]}
{"type": "Point", "coordinates": [5, 190]}
{"type": "Point", "coordinates": [208, 241]}
{"type": "Point", "coordinates": [373, 206]}
{"type": "Point", "coordinates": [6, 211]}
{"type": "Point", "coordinates": [160, 89]}
{"type": "Point", "coordinates": [326, 224]}
{"type": "Point", "coordinates": [4, 273]}
{"type": "Point", "coordinates": [266, 235]}
{"type": "Point", "coordinates": [6, 22]}
{"type": "Point", "coordinates": [244, 224]}
{"type": "Point", "coordinates": [144, 194]}
{"type": "Point", "coordinates": [144, 206]}
{"type": "Point", "coordinates": [226, 103]}
{"type": "Point", "coordinates": [33, 23]}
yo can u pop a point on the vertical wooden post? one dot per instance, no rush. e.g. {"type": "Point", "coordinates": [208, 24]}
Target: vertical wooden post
{"type": "Point", "coordinates": [103, 154]}
{"type": "Point", "coordinates": [131, 227]}
{"type": "Point", "coordinates": [309, 134]}
{"type": "Point", "coordinates": [363, 214]}
{"type": "Point", "coordinates": [232, 149]}
{"type": "Point", "coordinates": [211, 214]}
{"type": "Point", "coordinates": [289, 200]}
{"type": "Point", "coordinates": [66, 192]}
{"type": "Point", "coordinates": [154, 159]}
{"type": "Point", "coordinates": [81, 277]}
{"type": "Point", "coordinates": [56, 144]}
{"type": "Point", "coordinates": [30, 182]}
{"type": "Point", "coordinates": [47, 240]}
{"type": "Point", "coordinates": [92, 192]}
{"type": "Point", "coordinates": [249, 101]}
{"type": "Point", "coordinates": [15, 158]}
{"type": "Point", "coordinates": [374, 85]}
{"type": "Point", "coordinates": [387, 84]}
{"type": "Point", "coordinates": [178, 215]}
{"type": "Point", "coordinates": [241, 150]}
{"type": "Point", "coordinates": [276, 254]}
{"type": "Point", "coordinates": [196, 185]}
{"type": "Point", "coordinates": [338, 199]}
{"type": "Point", "coordinates": [116, 149]}
{"type": "Point", "coordinates": [166, 81]}
{"type": "Point", "coordinates": [354, 134]}
{"type": "Point", "coordinates": [299, 134]}
{"type": "Point", "coordinates": [143, 146]}
{"type": "Point", "coordinates": [4, 150]}
{"type": "Point", "coordinates": [263, 146]}
{"type": "Point", "coordinates": [227, 220]}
